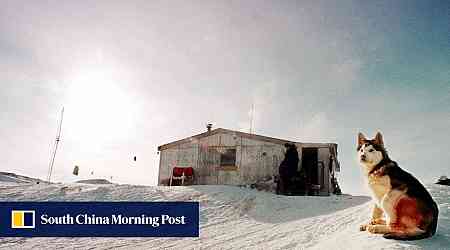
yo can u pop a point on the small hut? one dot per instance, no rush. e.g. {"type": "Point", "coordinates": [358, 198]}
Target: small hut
{"type": "Point", "coordinates": [227, 157]}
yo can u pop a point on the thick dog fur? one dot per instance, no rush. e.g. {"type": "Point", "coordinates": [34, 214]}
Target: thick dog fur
{"type": "Point", "coordinates": [403, 210]}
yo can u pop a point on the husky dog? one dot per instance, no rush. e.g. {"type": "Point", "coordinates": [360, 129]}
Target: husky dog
{"type": "Point", "coordinates": [404, 210]}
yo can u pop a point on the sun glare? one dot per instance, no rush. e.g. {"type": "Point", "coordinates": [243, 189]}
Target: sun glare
{"type": "Point", "coordinates": [98, 106]}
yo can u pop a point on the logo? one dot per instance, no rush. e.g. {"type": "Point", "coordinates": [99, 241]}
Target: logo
{"type": "Point", "coordinates": [22, 219]}
{"type": "Point", "coordinates": [99, 219]}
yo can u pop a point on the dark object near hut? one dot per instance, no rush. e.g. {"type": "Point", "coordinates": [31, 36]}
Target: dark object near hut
{"type": "Point", "coordinates": [336, 188]}
{"type": "Point", "coordinates": [307, 180]}
{"type": "Point", "coordinates": [76, 169]}
{"type": "Point", "coordinates": [443, 180]}
{"type": "Point", "coordinates": [287, 169]}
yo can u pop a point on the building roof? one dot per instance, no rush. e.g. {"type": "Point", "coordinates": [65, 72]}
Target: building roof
{"type": "Point", "coordinates": [240, 134]}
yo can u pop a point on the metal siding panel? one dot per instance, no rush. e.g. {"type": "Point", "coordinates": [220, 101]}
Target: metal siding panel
{"type": "Point", "coordinates": [270, 164]}
{"type": "Point", "coordinates": [159, 170]}
{"type": "Point", "coordinates": [250, 142]}
{"type": "Point", "coordinates": [254, 166]}
{"type": "Point", "coordinates": [168, 157]}
{"type": "Point", "coordinates": [249, 163]}
{"type": "Point", "coordinates": [300, 156]}
{"type": "Point", "coordinates": [229, 140]}
{"type": "Point", "coordinates": [186, 156]}
{"type": "Point", "coordinates": [212, 140]}
{"type": "Point", "coordinates": [208, 161]}
{"type": "Point", "coordinates": [162, 170]}
{"type": "Point", "coordinates": [324, 156]}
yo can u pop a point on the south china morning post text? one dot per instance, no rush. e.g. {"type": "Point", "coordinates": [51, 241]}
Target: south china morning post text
{"type": "Point", "coordinates": [114, 219]}
{"type": "Point", "coordinates": [99, 219]}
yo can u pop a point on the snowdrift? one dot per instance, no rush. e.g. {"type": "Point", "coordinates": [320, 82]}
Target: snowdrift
{"type": "Point", "coordinates": [232, 218]}
{"type": "Point", "coordinates": [94, 181]}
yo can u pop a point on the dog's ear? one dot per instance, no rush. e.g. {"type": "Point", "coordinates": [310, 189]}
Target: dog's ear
{"type": "Point", "coordinates": [361, 138]}
{"type": "Point", "coordinates": [379, 139]}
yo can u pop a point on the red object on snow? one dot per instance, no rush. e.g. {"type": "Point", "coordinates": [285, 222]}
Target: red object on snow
{"type": "Point", "coordinates": [181, 173]}
{"type": "Point", "coordinates": [178, 171]}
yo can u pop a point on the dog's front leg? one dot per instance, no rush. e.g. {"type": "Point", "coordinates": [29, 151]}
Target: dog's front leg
{"type": "Point", "coordinates": [377, 218]}
{"type": "Point", "coordinates": [379, 229]}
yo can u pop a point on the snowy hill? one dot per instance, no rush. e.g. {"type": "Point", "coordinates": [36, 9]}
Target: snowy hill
{"type": "Point", "coordinates": [232, 218]}
{"type": "Point", "coordinates": [15, 178]}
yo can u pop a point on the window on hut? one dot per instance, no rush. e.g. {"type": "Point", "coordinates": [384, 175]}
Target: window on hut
{"type": "Point", "coordinates": [228, 157]}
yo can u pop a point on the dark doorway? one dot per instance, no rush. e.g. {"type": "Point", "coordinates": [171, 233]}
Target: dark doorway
{"type": "Point", "coordinates": [309, 164]}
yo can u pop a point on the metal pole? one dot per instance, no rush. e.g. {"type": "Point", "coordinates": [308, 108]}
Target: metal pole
{"type": "Point", "coordinates": [58, 137]}
{"type": "Point", "coordinates": [251, 118]}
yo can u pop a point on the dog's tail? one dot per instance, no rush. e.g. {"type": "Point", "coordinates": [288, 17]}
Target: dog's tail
{"type": "Point", "coordinates": [419, 234]}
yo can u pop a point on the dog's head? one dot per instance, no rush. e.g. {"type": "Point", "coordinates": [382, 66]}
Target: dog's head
{"type": "Point", "coordinates": [370, 152]}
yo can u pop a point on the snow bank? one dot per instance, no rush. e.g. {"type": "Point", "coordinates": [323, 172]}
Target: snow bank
{"type": "Point", "coordinates": [233, 218]}
{"type": "Point", "coordinates": [94, 181]}
{"type": "Point", "coordinates": [15, 178]}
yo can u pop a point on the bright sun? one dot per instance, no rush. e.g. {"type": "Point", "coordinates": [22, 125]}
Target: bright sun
{"type": "Point", "coordinates": [98, 106]}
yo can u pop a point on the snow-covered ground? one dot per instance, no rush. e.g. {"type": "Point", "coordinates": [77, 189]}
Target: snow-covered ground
{"type": "Point", "coordinates": [232, 218]}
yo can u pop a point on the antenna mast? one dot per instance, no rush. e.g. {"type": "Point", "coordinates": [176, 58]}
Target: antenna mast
{"type": "Point", "coordinates": [55, 147]}
{"type": "Point", "coordinates": [251, 118]}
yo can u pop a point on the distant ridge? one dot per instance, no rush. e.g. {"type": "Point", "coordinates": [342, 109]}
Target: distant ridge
{"type": "Point", "coordinates": [15, 178]}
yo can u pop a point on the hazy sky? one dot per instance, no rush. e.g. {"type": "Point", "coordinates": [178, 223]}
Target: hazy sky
{"type": "Point", "coordinates": [133, 75]}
